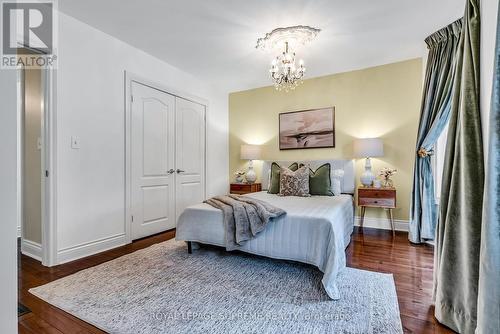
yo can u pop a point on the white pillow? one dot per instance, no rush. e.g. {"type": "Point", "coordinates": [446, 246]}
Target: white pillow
{"type": "Point", "coordinates": [336, 177]}
{"type": "Point", "coordinates": [268, 179]}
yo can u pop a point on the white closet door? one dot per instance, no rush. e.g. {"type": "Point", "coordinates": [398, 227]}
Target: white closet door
{"type": "Point", "coordinates": [152, 161]}
{"type": "Point", "coordinates": [190, 154]}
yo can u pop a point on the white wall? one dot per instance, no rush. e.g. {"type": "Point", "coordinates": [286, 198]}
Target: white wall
{"type": "Point", "coordinates": [90, 105]}
{"type": "Point", "coordinates": [8, 202]}
{"type": "Point", "coordinates": [489, 10]}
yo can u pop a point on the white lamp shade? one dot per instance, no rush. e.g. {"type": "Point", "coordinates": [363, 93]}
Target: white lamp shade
{"type": "Point", "coordinates": [368, 147]}
{"type": "Point", "coordinates": [250, 152]}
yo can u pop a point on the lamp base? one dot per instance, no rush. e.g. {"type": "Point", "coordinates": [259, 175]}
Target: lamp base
{"type": "Point", "coordinates": [250, 175]}
{"type": "Point", "coordinates": [367, 177]}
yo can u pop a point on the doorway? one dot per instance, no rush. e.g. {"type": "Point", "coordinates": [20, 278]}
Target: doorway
{"type": "Point", "coordinates": [34, 162]}
{"type": "Point", "coordinates": [31, 89]}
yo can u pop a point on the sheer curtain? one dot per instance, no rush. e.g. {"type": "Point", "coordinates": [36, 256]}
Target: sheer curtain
{"type": "Point", "coordinates": [435, 112]}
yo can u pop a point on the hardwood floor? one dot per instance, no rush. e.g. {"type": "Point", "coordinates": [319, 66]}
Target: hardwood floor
{"type": "Point", "coordinates": [370, 249]}
{"type": "Point", "coordinates": [411, 265]}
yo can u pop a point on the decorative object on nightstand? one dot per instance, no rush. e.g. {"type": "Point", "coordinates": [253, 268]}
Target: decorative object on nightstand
{"type": "Point", "coordinates": [385, 198]}
{"type": "Point", "coordinates": [368, 148]}
{"type": "Point", "coordinates": [244, 188]}
{"type": "Point", "coordinates": [386, 174]}
{"type": "Point", "coordinates": [250, 153]}
{"type": "Point", "coordinates": [238, 176]}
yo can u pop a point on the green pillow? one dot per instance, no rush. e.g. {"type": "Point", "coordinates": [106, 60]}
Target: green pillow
{"type": "Point", "coordinates": [320, 182]}
{"type": "Point", "coordinates": [274, 182]}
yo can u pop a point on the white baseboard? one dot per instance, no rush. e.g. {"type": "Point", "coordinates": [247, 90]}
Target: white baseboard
{"type": "Point", "coordinates": [31, 249]}
{"type": "Point", "coordinates": [382, 223]}
{"type": "Point", "coordinates": [19, 231]}
{"type": "Point", "coordinates": [90, 248]}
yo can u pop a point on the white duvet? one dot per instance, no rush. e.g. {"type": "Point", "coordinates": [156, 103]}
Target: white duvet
{"type": "Point", "coordinates": [315, 230]}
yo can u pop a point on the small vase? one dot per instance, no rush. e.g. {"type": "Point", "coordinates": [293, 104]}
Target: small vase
{"type": "Point", "coordinates": [388, 183]}
{"type": "Point", "coordinates": [239, 179]}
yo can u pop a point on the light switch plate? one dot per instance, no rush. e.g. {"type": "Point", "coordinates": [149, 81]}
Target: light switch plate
{"type": "Point", "coordinates": [75, 142]}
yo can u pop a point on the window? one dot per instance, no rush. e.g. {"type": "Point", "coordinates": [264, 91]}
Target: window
{"type": "Point", "coordinates": [438, 162]}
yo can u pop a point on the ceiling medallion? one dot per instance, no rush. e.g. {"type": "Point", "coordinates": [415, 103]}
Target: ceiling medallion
{"type": "Point", "coordinates": [286, 75]}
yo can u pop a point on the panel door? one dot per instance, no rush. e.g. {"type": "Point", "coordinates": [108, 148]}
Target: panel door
{"type": "Point", "coordinates": [152, 161]}
{"type": "Point", "coordinates": [190, 154]}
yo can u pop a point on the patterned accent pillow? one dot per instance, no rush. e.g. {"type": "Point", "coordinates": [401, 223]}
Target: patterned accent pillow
{"type": "Point", "coordinates": [294, 183]}
{"type": "Point", "coordinates": [274, 177]}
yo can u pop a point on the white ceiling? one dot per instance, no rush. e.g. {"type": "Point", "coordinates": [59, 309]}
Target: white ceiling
{"type": "Point", "coordinates": [215, 39]}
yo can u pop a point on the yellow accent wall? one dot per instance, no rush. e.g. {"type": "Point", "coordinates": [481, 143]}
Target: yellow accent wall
{"type": "Point", "coordinates": [382, 101]}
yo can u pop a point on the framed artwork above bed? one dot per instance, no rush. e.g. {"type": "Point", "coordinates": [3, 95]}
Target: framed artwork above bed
{"type": "Point", "coordinates": [313, 128]}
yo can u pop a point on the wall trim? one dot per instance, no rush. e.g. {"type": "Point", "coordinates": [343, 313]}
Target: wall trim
{"type": "Point", "coordinates": [383, 223]}
{"type": "Point", "coordinates": [90, 248]}
{"type": "Point", "coordinates": [19, 231]}
{"type": "Point", "coordinates": [31, 249]}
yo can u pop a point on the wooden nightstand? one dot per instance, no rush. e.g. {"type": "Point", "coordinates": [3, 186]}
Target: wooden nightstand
{"type": "Point", "coordinates": [377, 198]}
{"type": "Point", "coordinates": [245, 188]}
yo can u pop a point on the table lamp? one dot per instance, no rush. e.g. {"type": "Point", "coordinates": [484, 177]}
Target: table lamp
{"type": "Point", "coordinates": [250, 153]}
{"type": "Point", "coordinates": [368, 148]}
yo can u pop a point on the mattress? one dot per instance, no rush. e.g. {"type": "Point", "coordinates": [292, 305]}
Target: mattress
{"type": "Point", "coordinates": [315, 230]}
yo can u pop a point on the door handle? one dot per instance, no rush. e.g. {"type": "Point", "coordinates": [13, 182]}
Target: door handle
{"type": "Point", "coordinates": [171, 171]}
{"type": "Point", "coordinates": [180, 171]}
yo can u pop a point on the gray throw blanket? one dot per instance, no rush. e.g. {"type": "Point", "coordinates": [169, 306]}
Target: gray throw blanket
{"type": "Point", "coordinates": [244, 217]}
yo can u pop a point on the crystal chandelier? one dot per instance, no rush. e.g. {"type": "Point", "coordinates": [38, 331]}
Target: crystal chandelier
{"type": "Point", "coordinates": [285, 73]}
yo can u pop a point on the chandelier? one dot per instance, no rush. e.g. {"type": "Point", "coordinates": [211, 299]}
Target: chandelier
{"type": "Point", "coordinates": [285, 73]}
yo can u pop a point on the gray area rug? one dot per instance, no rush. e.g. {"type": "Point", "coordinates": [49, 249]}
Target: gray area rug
{"type": "Point", "coordinates": [163, 289]}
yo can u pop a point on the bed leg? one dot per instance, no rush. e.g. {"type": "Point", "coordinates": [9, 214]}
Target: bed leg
{"type": "Point", "coordinates": [190, 247]}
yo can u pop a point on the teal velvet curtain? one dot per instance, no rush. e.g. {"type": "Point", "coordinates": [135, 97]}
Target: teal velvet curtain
{"type": "Point", "coordinates": [434, 116]}
{"type": "Point", "coordinates": [458, 233]}
{"type": "Point", "coordinates": [488, 304]}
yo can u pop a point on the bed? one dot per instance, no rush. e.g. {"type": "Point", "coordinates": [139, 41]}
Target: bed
{"type": "Point", "coordinates": [315, 229]}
